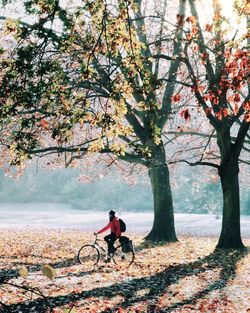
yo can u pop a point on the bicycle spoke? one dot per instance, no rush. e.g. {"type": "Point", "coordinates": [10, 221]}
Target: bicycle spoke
{"type": "Point", "coordinates": [123, 258]}
{"type": "Point", "coordinates": [88, 256]}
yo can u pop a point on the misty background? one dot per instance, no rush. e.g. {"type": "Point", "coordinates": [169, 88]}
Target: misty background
{"type": "Point", "coordinates": [191, 192]}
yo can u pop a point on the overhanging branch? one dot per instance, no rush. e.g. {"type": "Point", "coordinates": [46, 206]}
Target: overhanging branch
{"type": "Point", "coordinates": [195, 163]}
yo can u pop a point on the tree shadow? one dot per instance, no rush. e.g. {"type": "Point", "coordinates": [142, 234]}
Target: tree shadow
{"type": "Point", "coordinates": [34, 267]}
{"type": "Point", "coordinates": [147, 244]}
{"type": "Point", "coordinates": [157, 285]}
{"type": "Point", "coordinates": [226, 261]}
{"type": "Point", "coordinates": [10, 272]}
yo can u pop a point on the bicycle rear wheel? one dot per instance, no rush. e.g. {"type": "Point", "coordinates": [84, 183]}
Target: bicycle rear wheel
{"type": "Point", "coordinates": [123, 258]}
{"type": "Point", "coordinates": [88, 256]}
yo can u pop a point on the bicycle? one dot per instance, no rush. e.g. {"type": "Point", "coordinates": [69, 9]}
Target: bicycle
{"type": "Point", "coordinates": [90, 254]}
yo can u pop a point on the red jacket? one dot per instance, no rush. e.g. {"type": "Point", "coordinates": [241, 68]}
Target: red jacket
{"type": "Point", "coordinates": [114, 226]}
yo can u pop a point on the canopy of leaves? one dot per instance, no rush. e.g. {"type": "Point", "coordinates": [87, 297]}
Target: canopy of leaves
{"type": "Point", "coordinates": [85, 79]}
{"type": "Point", "coordinates": [217, 61]}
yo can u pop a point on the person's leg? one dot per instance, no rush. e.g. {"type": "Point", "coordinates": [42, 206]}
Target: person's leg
{"type": "Point", "coordinates": [110, 239]}
{"type": "Point", "coordinates": [123, 239]}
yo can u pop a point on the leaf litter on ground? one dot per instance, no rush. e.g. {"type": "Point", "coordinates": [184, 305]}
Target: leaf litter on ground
{"type": "Point", "coordinates": [186, 276]}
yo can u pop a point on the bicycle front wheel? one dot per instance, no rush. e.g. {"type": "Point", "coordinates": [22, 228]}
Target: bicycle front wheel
{"type": "Point", "coordinates": [125, 259]}
{"type": "Point", "coordinates": [88, 256]}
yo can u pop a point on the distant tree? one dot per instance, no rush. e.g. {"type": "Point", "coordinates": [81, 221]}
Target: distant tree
{"type": "Point", "coordinates": [90, 78]}
{"type": "Point", "coordinates": [247, 204]}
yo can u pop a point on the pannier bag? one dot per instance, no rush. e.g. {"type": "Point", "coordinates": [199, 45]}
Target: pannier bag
{"type": "Point", "coordinates": [127, 246]}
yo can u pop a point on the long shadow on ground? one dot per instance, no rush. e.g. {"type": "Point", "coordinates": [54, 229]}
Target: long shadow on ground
{"type": "Point", "coordinates": [10, 272]}
{"type": "Point", "coordinates": [157, 285]}
{"type": "Point", "coordinates": [34, 268]}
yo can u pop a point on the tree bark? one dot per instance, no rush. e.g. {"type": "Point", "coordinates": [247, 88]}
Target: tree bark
{"type": "Point", "coordinates": [163, 226]}
{"type": "Point", "coordinates": [230, 237]}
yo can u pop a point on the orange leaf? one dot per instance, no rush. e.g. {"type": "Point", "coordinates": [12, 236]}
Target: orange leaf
{"type": "Point", "coordinates": [236, 97]}
{"type": "Point", "coordinates": [246, 106]}
{"type": "Point", "coordinates": [220, 114]}
{"type": "Point", "coordinates": [208, 111]}
{"type": "Point", "coordinates": [44, 123]}
{"type": "Point", "coordinates": [236, 109]}
{"type": "Point", "coordinates": [185, 114]}
{"type": "Point", "coordinates": [191, 19]}
{"type": "Point", "coordinates": [195, 48]}
{"type": "Point", "coordinates": [176, 98]}
{"type": "Point", "coordinates": [225, 112]}
{"type": "Point", "coordinates": [209, 27]}
{"type": "Point", "coordinates": [247, 117]}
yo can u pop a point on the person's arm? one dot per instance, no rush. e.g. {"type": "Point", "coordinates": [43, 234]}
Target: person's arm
{"type": "Point", "coordinates": [104, 228]}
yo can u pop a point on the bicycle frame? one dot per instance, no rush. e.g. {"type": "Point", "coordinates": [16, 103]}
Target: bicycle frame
{"type": "Point", "coordinates": [99, 247]}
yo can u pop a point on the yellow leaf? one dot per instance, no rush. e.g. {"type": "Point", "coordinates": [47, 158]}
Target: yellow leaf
{"type": "Point", "coordinates": [23, 272]}
{"type": "Point", "coordinates": [69, 310]}
{"type": "Point", "coordinates": [11, 26]}
{"type": "Point", "coordinates": [48, 271]}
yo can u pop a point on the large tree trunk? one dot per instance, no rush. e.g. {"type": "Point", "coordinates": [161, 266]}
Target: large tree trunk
{"type": "Point", "coordinates": [163, 226]}
{"type": "Point", "coordinates": [230, 236]}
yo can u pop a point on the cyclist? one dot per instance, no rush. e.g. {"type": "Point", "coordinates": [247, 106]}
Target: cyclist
{"type": "Point", "coordinates": [114, 226]}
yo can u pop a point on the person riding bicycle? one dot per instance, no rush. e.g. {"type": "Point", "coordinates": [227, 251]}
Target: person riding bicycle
{"type": "Point", "coordinates": [115, 234]}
